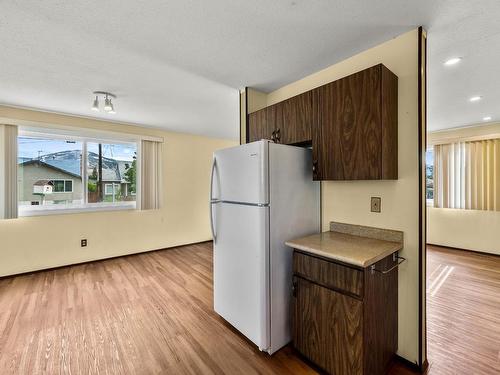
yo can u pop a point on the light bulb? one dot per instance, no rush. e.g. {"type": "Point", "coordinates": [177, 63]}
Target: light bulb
{"type": "Point", "coordinates": [95, 106]}
{"type": "Point", "coordinates": [107, 104]}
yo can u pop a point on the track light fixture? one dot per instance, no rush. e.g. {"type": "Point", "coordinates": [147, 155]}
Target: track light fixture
{"type": "Point", "coordinates": [108, 104]}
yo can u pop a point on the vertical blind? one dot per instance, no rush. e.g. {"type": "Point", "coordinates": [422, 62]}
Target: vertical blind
{"type": "Point", "coordinates": [151, 157]}
{"type": "Point", "coordinates": [9, 143]}
{"type": "Point", "coordinates": [467, 175]}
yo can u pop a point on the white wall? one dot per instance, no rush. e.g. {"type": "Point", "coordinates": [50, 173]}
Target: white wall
{"type": "Point", "coordinates": [33, 243]}
{"type": "Point", "coordinates": [349, 201]}
{"type": "Point", "coordinates": [464, 229]}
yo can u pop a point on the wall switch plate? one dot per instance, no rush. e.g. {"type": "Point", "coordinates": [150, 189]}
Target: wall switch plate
{"type": "Point", "coordinates": [375, 204]}
{"type": "Point", "coordinates": [83, 243]}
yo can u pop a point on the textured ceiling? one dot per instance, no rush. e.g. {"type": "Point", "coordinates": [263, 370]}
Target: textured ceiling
{"type": "Point", "coordinates": [178, 64]}
{"type": "Point", "coordinates": [471, 30]}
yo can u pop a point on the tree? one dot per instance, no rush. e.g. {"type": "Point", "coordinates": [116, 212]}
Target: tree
{"type": "Point", "coordinates": [131, 175]}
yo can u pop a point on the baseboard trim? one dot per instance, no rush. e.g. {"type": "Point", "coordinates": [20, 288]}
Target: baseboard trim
{"type": "Point", "coordinates": [412, 365]}
{"type": "Point", "coordinates": [463, 249]}
{"type": "Point", "coordinates": [101, 259]}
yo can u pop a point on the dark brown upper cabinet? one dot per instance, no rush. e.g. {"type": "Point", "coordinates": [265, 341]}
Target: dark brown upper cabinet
{"type": "Point", "coordinates": [287, 122]}
{"type": "Point", "coordinates": [352, 124]}
{"type": "Point", "coordinates": [356, 134]}
{"type": "Point", "coordinates": [258, 126]}
{"type": "Point", "coordinates": [298, 119]}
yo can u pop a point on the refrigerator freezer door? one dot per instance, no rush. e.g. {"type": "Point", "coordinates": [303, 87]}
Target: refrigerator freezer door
{"type": "Point", "coordinates": [241, 174]}
{"type": "Point", "coordinates": [241, 263]}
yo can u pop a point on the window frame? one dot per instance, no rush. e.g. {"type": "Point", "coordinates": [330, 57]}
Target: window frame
{"type": "Point", "coordinates": [52, 133]}
{"type": "Point", "coordinates": [429, 201]}
{"type": "Point", "coordinates": [64, 180]}
{"type": "Point", "coordinates": [109, 184]}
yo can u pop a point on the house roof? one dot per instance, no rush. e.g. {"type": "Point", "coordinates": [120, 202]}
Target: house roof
{"type": "Point", "coordinates": [39, 162]}
{"type": "Point", "coordinates": [43, 183]}
{"type": "Point", "coordinates": [70, 162]}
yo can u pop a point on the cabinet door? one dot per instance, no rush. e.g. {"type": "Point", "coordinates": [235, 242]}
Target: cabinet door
{"type": "Point", "coordinates": [258, 126]}
{"type": "Point", "coordinates": [274, 116]}
{"type": "Point", "coordinates": [320, 148]}
{"type": "Point", "coordinates": [327, 328]}
{"type": "Point", "coordinates": [297, 119]}
{"type": "Point", "coordinates": [350, 132]}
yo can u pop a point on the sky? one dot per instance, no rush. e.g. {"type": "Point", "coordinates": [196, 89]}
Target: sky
{"type": "Point", "coordinates": [429, 157]}
{"type": "Point", "coordinates": [32, 147]}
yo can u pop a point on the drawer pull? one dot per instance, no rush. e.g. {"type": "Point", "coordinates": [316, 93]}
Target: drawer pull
{"type": "Point", "coordinates": [395, 257]}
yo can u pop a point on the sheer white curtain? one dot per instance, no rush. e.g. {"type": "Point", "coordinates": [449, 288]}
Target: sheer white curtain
{"type": "Point", "coordinates": [467, 175]}
{"type": "Point", "coordinates": [151, 168]}
{"type": "Point", "coordinates": [8, 171]}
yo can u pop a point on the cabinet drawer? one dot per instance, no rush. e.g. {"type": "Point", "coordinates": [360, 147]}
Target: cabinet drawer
{"type": "Point", "coordinates": [329, 274]}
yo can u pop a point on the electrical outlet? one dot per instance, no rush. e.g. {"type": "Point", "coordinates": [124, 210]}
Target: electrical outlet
{"type": "Point", "coordinates": [83, 243]}
{"type": "Point", "coordinates": [375, 204]}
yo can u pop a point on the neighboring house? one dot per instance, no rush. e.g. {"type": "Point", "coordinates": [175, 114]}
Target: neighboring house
{"type": "Point", "coordinates": [66, 185]}
{"type": "Point", "coordinates": [63, 171]}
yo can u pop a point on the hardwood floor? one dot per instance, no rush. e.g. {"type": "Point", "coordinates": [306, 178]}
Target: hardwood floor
{"type": "Point", "coordinates": [144, 314]}
{"type": "Point", "coordinates": [152, 314]}
{"type": "Point", "coordinates": [463, 312]}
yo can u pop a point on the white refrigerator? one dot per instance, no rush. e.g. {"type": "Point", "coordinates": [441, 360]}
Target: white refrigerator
{"type": "Point", "coordinates": [261, 195]}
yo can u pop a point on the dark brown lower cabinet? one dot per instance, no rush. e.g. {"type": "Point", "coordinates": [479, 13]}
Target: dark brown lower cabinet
{"type": "Point", "coordinates": [345, 318]}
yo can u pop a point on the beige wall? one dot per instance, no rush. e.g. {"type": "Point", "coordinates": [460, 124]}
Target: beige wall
{"type": "Point", "coordinates": [464, 229]}
{"type": "Point", "coordinates": [243, 117]}
{"type": "Point", "coordinates": [34, 243]}
{"type": "Point", "coordinates": [2, 175]}
{"type": "Point", "coordinates": [349, 201]}
{"type": "Point", "coordinates": [256, 100]}
{"type": "Point", "coordinates": [474, 132]}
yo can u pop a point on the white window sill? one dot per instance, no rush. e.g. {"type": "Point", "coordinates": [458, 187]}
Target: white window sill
{"type": "Point", "coordinates": [26, 212]}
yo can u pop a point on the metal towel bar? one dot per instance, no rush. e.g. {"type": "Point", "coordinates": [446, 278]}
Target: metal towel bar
{"type": "Point", "coordinates": [395, 257]}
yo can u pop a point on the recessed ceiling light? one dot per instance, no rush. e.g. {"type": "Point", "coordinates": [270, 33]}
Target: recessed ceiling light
{"type": "Point", "coordinates": [475, 98]}
{"type": "Point", "coordinates": [487, 118]}
{"type": "Point", "coordinates": [452, 61]}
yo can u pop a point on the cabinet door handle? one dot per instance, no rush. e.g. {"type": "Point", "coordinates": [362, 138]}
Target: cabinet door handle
{"type": "Point", "coordinates": [273, 136]}
{"type": "Point", "coordinates": [315, 168]}
{"type": "Point", "coordinates": [294, 288]}
{"type": "Point", "coordinates": [278, 135]}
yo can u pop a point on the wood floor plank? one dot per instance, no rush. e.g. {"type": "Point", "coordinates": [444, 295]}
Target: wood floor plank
{"type": "Point", "coordinates": [152, 313]}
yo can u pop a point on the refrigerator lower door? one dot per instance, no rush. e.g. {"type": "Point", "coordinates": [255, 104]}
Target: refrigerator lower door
{"type": "Point", "coordinates": [241, 266]}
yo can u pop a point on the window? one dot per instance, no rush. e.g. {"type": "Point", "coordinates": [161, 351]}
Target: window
{"type": "Point", "coordinates": [62, 186]}
{"type": "Point", "coordinates": [49, 171]}
{"type": "Point", "coordinates": [429, 176]}
{"type": "Point", "coordinates": [466, 174]}
{"type": "Point", "coordinates": [60, 172]}
{"type": "Point", "coordinates": [112, 171]}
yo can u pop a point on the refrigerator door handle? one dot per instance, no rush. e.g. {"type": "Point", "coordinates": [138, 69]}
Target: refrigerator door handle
{"type": "Point", "coordinates": [212, 200]}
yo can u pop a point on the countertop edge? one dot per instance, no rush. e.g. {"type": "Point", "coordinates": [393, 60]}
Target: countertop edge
{"type": "Point", "coordinates": [368, 263]}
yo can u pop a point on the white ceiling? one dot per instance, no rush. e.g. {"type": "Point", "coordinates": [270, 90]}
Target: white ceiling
{"type": "Point", "coordinates": [471, 30]}
{"type": "Point", "coordinates": [178, 64]}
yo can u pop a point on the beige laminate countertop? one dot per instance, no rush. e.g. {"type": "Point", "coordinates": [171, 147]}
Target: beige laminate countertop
{"type": "Point", "coordinates": [347, 248]}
